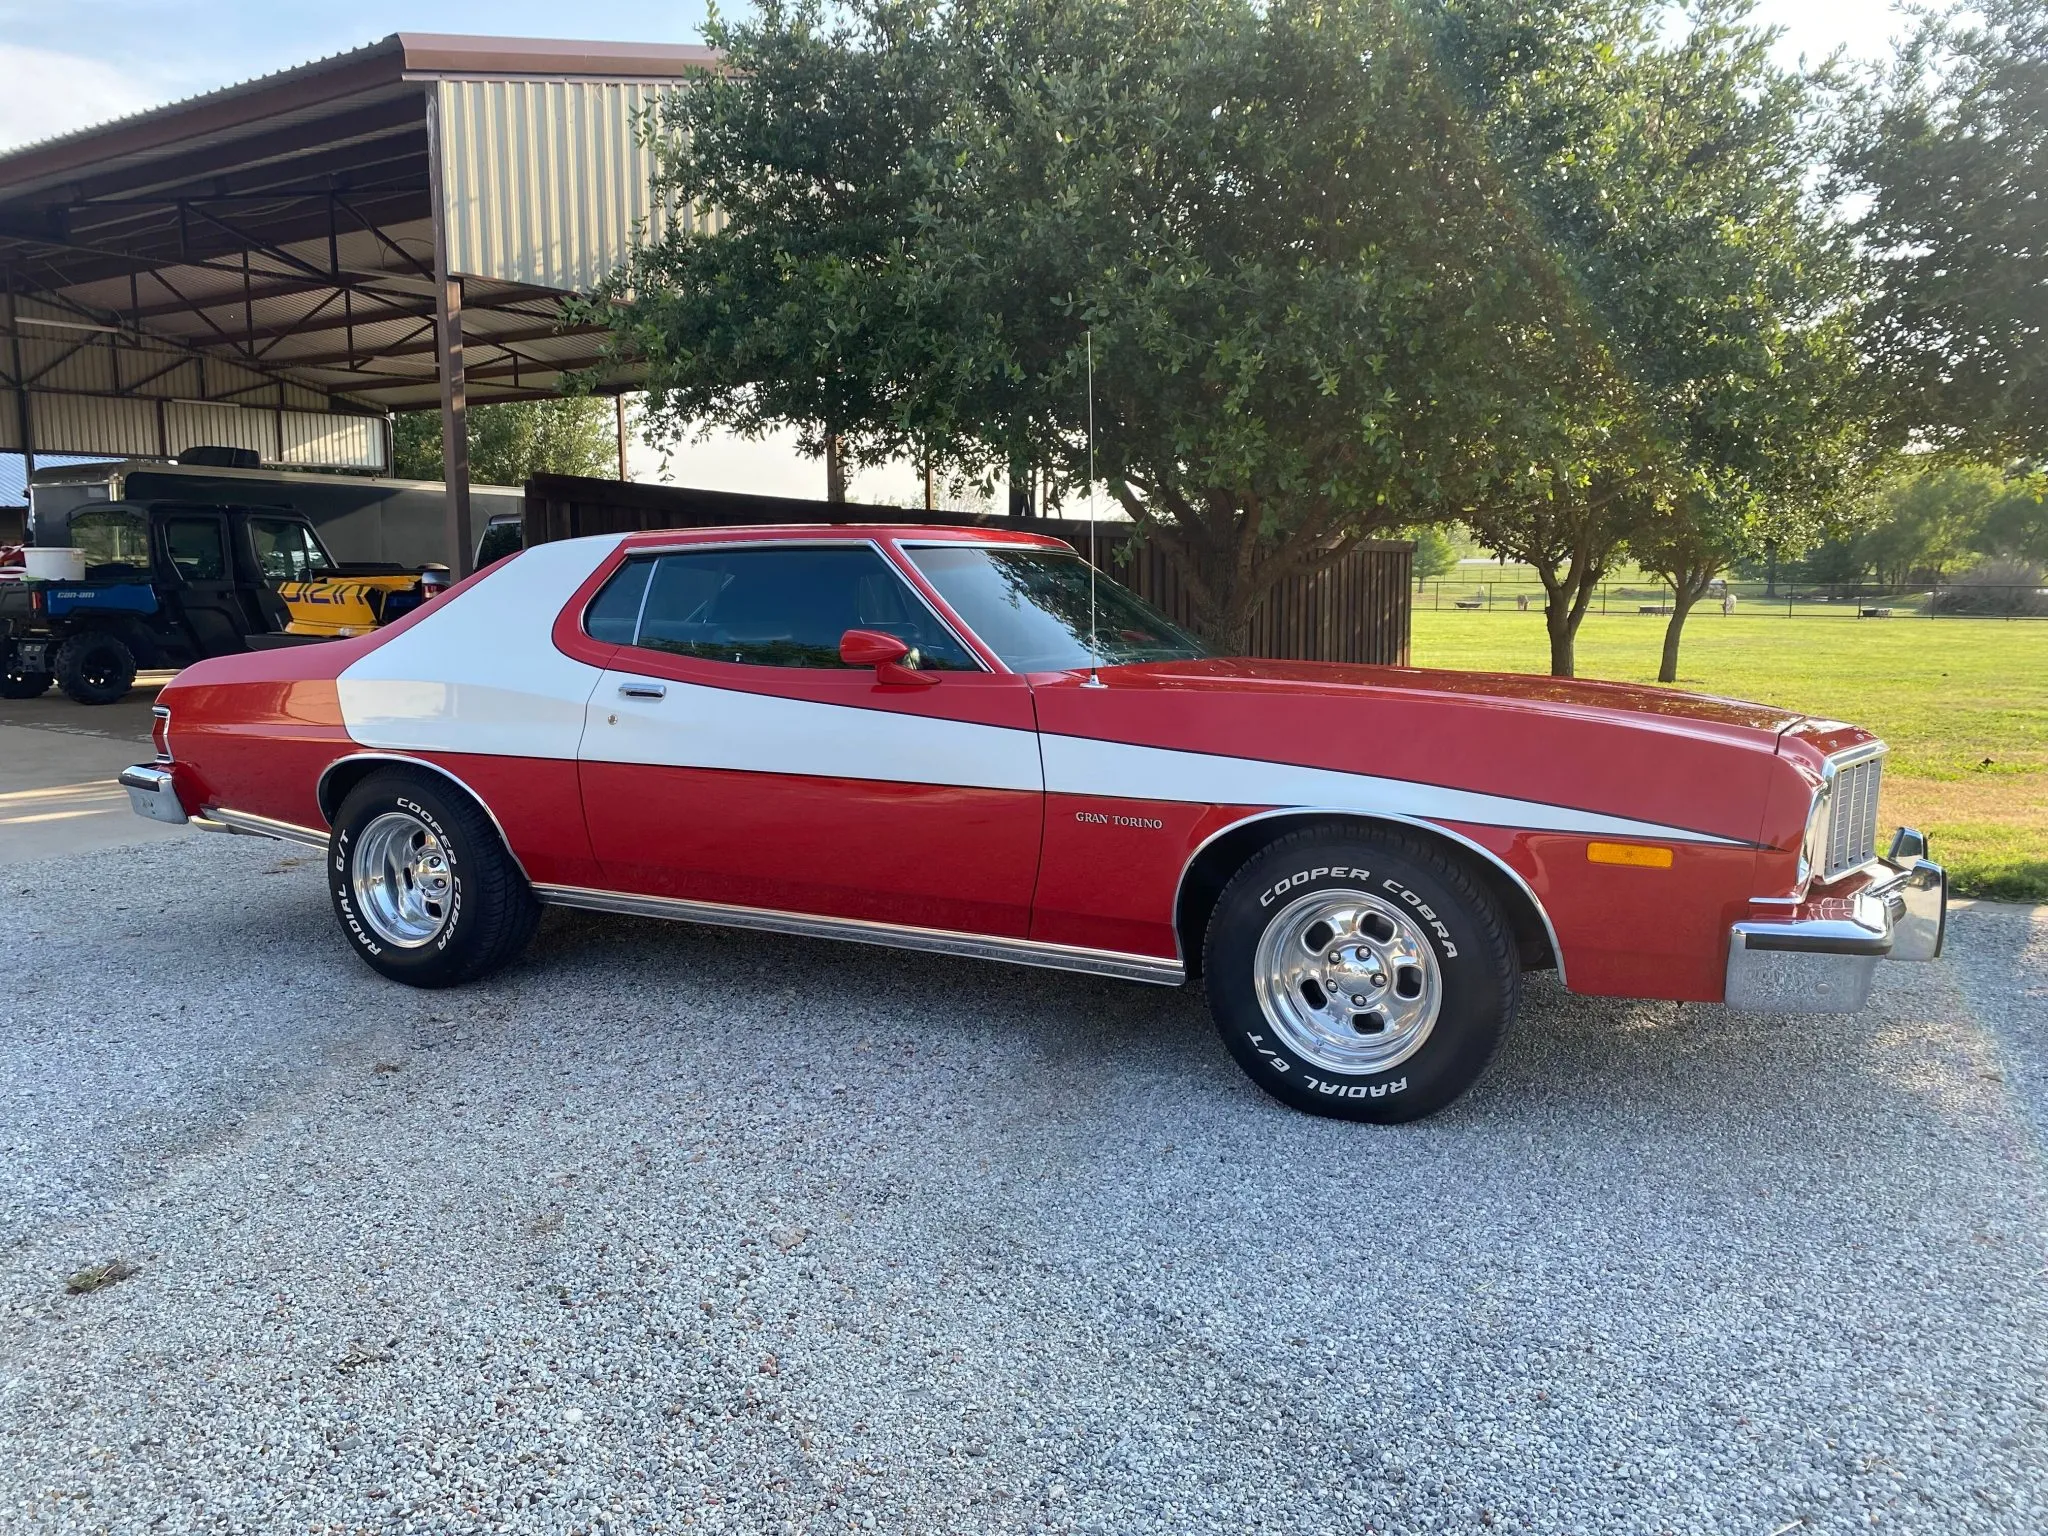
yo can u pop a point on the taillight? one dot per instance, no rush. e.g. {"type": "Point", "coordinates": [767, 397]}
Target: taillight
{"type": "Point", "coordinates": [36, 603]}
{"type": "Point", "coordinates": [160, 732]}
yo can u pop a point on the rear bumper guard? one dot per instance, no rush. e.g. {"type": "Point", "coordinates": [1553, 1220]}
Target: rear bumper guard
{"type": "Point", "coordinates": [151, 793]}
{"type": "Point", "coordinates": [1821, 956]}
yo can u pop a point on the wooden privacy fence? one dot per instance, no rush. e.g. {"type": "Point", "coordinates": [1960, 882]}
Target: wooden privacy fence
{"type": "Point", "coordinates": [1355, 609]}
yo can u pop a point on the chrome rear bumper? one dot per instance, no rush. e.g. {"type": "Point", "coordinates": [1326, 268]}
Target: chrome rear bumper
{"type": "Point", "coordinates": [151, 794]}
{"type": "Point", "coordinates": [1821, 956]}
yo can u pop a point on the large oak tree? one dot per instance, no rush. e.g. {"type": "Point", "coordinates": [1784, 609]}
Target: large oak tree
{"type": "Point", "coordinates": [1273, 219]}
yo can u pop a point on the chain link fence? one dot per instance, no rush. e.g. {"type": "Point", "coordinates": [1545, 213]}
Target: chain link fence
{"type": "Point", "coordinates": [1861, 600]}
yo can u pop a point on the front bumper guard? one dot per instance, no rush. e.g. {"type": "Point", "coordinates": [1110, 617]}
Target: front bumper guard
{"type": "Point", "coordinates": [1821, 957]}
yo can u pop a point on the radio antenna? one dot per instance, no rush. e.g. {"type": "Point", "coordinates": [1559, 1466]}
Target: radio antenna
{"type": "Point", "coordinates": [1094, 635]}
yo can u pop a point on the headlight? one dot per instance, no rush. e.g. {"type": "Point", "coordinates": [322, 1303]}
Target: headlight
{"type": "Point", "coordinates": [1816, 839]}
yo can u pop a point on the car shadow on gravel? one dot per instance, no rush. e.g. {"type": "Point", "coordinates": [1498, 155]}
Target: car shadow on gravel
{"type": "Point", "coordinates": [1657, 1068]}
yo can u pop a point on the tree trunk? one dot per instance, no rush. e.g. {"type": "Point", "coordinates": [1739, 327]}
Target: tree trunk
{"type": "Point", "coordinates": [1020, 487]}
{"type": "Point", "coordinates": [1558, 620]}
{"type": "Point", "coordinates": [1681, 605]}
{"type": "Point", "coordinates": [835, 468]}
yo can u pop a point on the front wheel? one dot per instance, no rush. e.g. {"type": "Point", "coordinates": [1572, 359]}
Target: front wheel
{"type": "Point", "coordinates": [424, 887]}
{"type": "Point", "coordinates": [1363, 974]}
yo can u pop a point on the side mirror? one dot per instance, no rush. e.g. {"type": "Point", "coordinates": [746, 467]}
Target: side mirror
{"type": "Point", "coordinates": [894, 660]}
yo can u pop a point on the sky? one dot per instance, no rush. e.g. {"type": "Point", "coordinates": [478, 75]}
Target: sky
{"type": "Point", "coordinates": [73, 63]}
{"type": "Point", "coordinates": [67, 64]}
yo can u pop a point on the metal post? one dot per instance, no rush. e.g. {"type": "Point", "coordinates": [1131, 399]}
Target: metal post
{"type": "Point", "coordinates": [619, 421]}
{"type": "Point", "coordinates": [24, 416]}
{"type": "Point", "coordinates": [448, 338]}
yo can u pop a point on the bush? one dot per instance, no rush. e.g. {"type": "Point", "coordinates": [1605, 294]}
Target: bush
{"type": "Point", "coordinates": [2009, 589]}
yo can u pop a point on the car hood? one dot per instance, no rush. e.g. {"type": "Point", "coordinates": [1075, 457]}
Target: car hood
{"type": "Point", "coordinates": [1666, 708]}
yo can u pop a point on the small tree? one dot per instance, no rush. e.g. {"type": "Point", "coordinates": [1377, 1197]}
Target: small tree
{"type": "Point", "coordinates": [575, 435]}
{"type": "Point", "coordinates": [1434, 555]}
{"type": "Point", "coordinates": [1723, 411]}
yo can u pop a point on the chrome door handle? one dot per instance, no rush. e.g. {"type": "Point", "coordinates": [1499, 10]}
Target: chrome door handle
{"type": "Point", "coordinates": [643, 691]}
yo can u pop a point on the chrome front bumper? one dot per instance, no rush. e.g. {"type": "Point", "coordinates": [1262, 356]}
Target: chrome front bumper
{"type": "Point", "coordinates": [151, 794]}
{"type": "Point", "coordinates": [1822, 955]}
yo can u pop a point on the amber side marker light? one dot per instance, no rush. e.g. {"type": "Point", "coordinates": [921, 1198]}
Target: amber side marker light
{"type": "Point", "coordinates": [1638, 855]}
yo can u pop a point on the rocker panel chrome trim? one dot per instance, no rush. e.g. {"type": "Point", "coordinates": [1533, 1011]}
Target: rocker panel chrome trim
{"type": "Point", "coordinates": [221, 819]}
{"type": "Point", "coordinates": [974, 946]}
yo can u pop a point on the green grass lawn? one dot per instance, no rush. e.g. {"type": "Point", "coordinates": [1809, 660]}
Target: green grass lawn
{"type": "Point", "coordinates": [1963, 703]}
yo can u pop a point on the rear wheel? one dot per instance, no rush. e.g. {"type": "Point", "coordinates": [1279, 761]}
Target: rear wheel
{"type": "Point", "coordinates": [423, 885]}
{"type": "Point", "coordinates": [1358, 973]}
{"type": "Point", "coordinates": [25, 685]}
{"type": "Point", "coordinates": [95, 668]}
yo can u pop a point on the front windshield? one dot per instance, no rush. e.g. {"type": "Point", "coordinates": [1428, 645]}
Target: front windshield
{"type": "Point", "coordinates": [1030, 606]}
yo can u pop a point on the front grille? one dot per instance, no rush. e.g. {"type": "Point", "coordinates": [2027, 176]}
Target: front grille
{"type": "Point", "coordinates": [1852, 818]}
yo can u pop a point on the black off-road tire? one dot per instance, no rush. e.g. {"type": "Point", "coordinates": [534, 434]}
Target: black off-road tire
{"type": "Point", "coordinates": [1446, 905]}
{"type": "Point", "coordinates": [490, 910]}
{"type": "Point", "coordinates": [94, 668]}
{"type": "Point", "coordinates": [25, 685]}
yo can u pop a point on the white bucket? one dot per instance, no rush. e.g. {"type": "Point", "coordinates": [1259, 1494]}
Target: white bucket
{"type": "Point", "coordinates": [53, 564]}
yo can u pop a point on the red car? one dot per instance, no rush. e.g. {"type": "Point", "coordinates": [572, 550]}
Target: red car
{"type": "Point", "coordinates": [907, 736]}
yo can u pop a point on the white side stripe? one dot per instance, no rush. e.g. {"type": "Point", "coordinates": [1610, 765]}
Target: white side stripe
{"type": "Point", "coordinates": [1079, 765]}
{"type": "Point", "coordinates": [699, 727]}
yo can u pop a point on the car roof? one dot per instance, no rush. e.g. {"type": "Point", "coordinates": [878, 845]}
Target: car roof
{"type": "Point", "coordinates": [776, 533]}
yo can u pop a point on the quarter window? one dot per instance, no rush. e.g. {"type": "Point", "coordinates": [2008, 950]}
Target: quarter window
{"type": "Point", "coordinates": [767, 607]}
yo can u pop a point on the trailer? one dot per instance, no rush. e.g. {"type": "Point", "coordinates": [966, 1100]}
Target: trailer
{"type": "Point", "coordinates": [362, 520]}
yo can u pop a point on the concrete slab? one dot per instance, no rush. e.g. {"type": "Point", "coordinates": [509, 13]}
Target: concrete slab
{"type": "Point", "coordinates": [57, 766]}
{"type": "Point", "coordinates": [128, 719]}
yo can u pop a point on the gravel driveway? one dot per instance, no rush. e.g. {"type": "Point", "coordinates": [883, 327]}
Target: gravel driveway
{"type": "Point", "coordinates": [672, 1229]}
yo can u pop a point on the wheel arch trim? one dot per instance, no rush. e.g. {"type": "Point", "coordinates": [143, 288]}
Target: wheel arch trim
{"type": "Point", "coordinates": [407, 760]}
{"type": "Point", "coordinates": [1326, 813]}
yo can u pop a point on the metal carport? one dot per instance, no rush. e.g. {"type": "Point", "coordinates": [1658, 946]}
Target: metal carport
{"type": "Point", "coordinates": [277, 265]}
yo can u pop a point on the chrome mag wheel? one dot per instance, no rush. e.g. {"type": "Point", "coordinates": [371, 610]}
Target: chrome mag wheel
{"type": "Point", "coordinates": [1348, 981]}
{"type": "Point", "coordinates": [403, 886]}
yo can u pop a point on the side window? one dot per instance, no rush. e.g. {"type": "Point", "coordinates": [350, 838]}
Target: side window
{"type": "Point", "coordinates": [113, 536]}
{"type": "Point", "coordinates": [784, 607]}
{"type": "Point", "coordinates": [196, 548]}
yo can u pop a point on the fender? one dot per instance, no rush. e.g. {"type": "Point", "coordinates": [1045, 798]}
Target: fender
{"type": "Point", "coordinates": [328, 809]}
{"type": "Point", "coordinates": [1315, 813]}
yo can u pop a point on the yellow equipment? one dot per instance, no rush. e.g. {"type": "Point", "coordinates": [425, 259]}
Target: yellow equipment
{"type": "Point", "coordinates": [352, 605]}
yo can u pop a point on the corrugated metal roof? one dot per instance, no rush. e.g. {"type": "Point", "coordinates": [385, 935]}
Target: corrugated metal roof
{"type": "Point", "coordinates": [269, 247]}
{"type": "Point", "coordinates": [547, 182]}
{"type": "Point", "coordinates": [390, 60]}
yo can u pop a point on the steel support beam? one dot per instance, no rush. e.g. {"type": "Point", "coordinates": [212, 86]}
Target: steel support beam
{"type": "Point", "coordinates": [24, 417]}
{"type": "Point", "coordinates": [454, 386]}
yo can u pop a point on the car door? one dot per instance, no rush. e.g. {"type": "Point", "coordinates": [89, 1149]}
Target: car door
{"type": "Point", "coordinates": [206, 594]}
{"type": "Point", "coordinates": [730, 757]}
